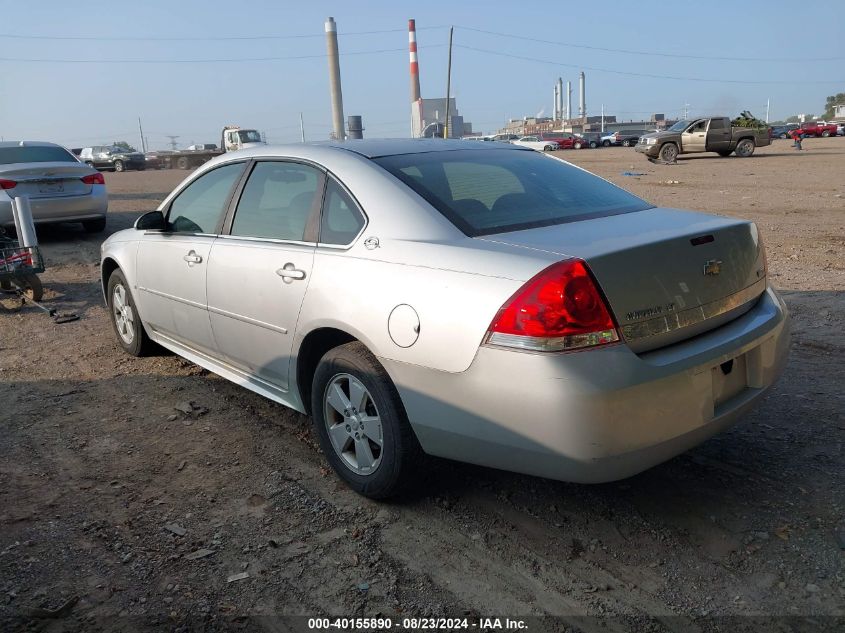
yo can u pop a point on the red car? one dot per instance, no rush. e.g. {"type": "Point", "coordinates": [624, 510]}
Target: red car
{"type": "Point", "coordinates": [818, 129]}
{"type": "Point", "coordinates": [566, 140]}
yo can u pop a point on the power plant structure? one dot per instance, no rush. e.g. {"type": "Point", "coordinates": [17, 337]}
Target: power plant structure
{"type": "Point", "coordinates": [428, 116]}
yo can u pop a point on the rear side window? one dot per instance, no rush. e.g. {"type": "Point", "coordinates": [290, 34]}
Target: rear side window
{"type": "Point", "coordinates": [199, 207]}
{"type": "Point", "coordinates": [496, 191]}
{"type": "Point", "coordinates": [277, 201]}
{"type": "Point", "coordinates": [35, 154]}
{"type": "Point", "coordinates": [341, 221]}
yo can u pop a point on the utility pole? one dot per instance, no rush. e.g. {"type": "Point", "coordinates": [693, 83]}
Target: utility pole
{"type": "Point", "coordinates": [141, 130]}
{"type": "Point", "coordinates": [334, 79]}
{"type": "Point", "coordinates": [602, 118]}
{"type": "Point", "coordinates": [768, 103]}
{"type": "Point", "coordinates": [448, 84]}
{"type": "Point", "coordinates": [301, 127]}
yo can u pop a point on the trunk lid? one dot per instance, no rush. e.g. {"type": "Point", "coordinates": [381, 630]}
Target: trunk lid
{"type": "Point", "coordinates": [667, 274]}
{"type": "Point", "coordinates": [47, 180]}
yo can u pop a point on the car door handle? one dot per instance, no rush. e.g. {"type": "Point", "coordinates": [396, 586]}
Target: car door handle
{"type": "Point", "coordinates": [192, 258]}
{"type": "Point", "coordinates": [289, 272]}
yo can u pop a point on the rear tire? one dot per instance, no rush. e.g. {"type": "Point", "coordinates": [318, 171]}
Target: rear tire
{"type": "Point", "coordinates": [124, 317]}
{"type": "Point", "coordinates": [593, 145]}
{"type": "Point", "coordinates": [354, 403]}
{"type": "Point", "coordinates": [626, 143]}
{"type": "Point", "coordinates": [744, 148]}
{"type": "Point", "coordinates": [605, 143]}
{"type": "Point", "coordinates": [547, 148]}
{"type": "Point", "coordinates": [94, 226]}
{"type": "Point", "coordinates": [118, 165]}
{"type": "Point", "coordinates": [183, 163]}
{"type": "Point", "coordinates": [669, 153]}
{"type": "Point", "coordinates": [576, 146]}
{"type": "Point", "coordinates": [825, 134]}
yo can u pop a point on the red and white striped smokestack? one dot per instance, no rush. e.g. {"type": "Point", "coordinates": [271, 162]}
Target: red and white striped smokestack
{"type": "Point", "coordinates": [415, 67]}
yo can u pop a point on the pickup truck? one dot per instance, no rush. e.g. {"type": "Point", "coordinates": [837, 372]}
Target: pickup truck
{"type": "Point", "coordinates": [714, 134]}
{"type": "Point", "coordinates": [232, 139]}
{"type": "Point", "coordinates": [817, 128]}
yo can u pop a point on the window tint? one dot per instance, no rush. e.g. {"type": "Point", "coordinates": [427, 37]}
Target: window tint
{"type": "Point", "coordinates": [483, 192]}
{"type": "Point", "coordinates": [717, 124]}
{"type": "Point", "coordinates": [342, 220]}
{"type": "Point", "coordinates": [277, 201]}
{"type": "Point", "coordinates": [199, 207]}
{"type": "Point", "coordinates": [35, 154]}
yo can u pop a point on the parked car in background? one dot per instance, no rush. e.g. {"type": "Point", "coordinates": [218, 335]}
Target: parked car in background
{"type": "Point", "coordinates": [59, 187]}
{"type": "Point", "coordinates": [783, 131]}
{"type": "Point", "coordinates": [112, 157]}
{"type": "Point", "coordinates": [535, 142]}
{"type": "Point", "coordinates": [840, 129]}
{"type": "Point", "coordinates": [818, 128]}
{"type": "Point", "coordinates": [713, 134]}
{"type": "Point", "coordinates": [483, 303]}
{"type": "Point", "coordinates": [506, 138]}
{"type": "Point", "coordinates": [565, 140]}
{"type": "Point", "coordinates": [593, 139]}
{"type": "Point", "coordinates": [625, 138]}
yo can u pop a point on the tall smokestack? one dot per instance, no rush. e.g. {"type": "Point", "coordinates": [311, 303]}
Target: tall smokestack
{"type": "Point", "coordinates": [568, 113]}
{"type": "Point", "coordinates": [559, 98]}
{"type": "Point", "coordinates": [582, 102]}
{"type": "Point", "coordinates": [415, 67]}
{"type": "Point", "coordinates": [334, 79]}
{"type": "Point", "coordinates": [555, 102]}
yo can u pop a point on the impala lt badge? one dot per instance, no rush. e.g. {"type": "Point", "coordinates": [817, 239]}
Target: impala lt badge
{"type": "Point", "coordinates": [712, 267]}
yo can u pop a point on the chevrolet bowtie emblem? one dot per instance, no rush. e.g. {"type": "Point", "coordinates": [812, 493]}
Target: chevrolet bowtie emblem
{"type": "Point", "coordinates": [712, 267]}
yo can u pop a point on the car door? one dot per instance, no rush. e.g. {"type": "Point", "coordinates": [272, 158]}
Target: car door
{"type": "Point", "coordinates": [261, 266]}
{"type": "Point", "coordinates": [694, 138]}
{"type": "Point", "coordinates": [172, 264]}
{"type": "Point", "coordinates": [719, 135]}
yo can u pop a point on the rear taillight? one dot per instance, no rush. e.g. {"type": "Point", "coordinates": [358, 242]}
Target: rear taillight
{"type": "Point", "coordinates": [7, 184]}
{"type": "Point", "coordinates": [559, 309]}
{"type": "Point", "coordinates": [94, 179]}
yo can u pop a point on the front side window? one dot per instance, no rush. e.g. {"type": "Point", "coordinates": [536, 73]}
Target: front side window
{"type": "Point", "coordinates": [198, 208]}
{"type": "Point", "coordinates": [277, 201]}
{"type": "Point", "coordinates": [496, 191]}
{"type": "Point", "coordinates": [341, 221]}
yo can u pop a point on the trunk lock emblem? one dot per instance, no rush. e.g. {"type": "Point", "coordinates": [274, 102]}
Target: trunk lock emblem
{"type": "Point", "coordinates": [712, 267]}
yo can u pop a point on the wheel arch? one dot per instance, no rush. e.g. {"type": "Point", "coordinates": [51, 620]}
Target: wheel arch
{"type": "Point", "coordinates": [314, 346]}
{"type": "Point", "coordinates": [108, 266]}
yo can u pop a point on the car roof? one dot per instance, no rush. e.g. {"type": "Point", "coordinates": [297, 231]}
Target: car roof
{"type": "Point", "coordinates": [374, 148]}
{"type": "Point", "coordinates": [28, 144]}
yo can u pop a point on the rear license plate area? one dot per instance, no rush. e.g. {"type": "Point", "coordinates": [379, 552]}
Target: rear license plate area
{"type": "Point", "coordinates": [51, 187]}
{"type": "Point", "coordinates": [729, 378]}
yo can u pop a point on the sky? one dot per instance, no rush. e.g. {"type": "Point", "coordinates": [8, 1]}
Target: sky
{"type": "Point", "coordinates": [83, 73]}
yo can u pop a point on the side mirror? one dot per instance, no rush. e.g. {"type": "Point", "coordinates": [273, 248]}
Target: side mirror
{"type": "Point", "coordinates": [152, 221]}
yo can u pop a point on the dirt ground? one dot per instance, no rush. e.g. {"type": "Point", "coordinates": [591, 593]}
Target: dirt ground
{"type": "Point", "coordinates": [120, 512]}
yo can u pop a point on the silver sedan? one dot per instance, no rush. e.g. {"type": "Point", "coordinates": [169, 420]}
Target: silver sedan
{"type": "Point", "coordinates": [488, 304]}
{"type": "Point", "coordinates": [60, 188]}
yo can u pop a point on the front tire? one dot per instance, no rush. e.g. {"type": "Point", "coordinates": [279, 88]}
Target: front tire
{"type": "Point", "coordinates": [744, 148]}
{"type": "Point", "coordinates": [119, 166]}
{"type": "Point", "coordinates": [669, 153]}
{"type": "Point", "coordinates": [605, 143]}
{"type": "Point", "coordinates": [626, 143]}
{"type": "Point", "coordinates": [124, 317]}
{"type": "Point", "coordinates": [825, 134]}
{"type": "Point", "coordinates": [547, 148]}
{"type": "Point", "coordinates": [361, 423]}
{"type": "Point", "coordinates": [576, 146]}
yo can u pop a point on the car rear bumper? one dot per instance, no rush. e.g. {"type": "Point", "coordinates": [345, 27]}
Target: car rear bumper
{"type": "Point", "coordinates": [68, 209]}
{"type": "Point", "coordinates": [596, 415]}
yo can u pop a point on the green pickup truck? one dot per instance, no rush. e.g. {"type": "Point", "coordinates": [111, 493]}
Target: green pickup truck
{"type": "Point", "coordinates": [714, 134]}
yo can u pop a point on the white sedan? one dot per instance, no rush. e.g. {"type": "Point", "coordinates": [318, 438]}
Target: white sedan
{"type": "Point", "coordinates": [535, 142]}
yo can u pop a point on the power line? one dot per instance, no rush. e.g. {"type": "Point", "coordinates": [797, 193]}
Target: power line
{"type": "Point", "coordinates": [202, 61]}
{"type": "Point", "coordinates": [651, 53]}
{"type": "Point", "coordinates": [633, 74]}
{"type": "Point", "coordinates": [87, 38]}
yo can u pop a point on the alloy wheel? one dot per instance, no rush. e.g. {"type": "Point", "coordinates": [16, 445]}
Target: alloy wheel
{"type": "Point", "coordinates": [124, 316]}
{"type": "Point", "coordinates": [353, 423]}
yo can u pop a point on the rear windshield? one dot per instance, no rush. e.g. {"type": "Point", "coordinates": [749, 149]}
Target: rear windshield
{"type": "Point", "coordinates": [484, 192]}
{"type": "Point", "coordinates": [35, 154]}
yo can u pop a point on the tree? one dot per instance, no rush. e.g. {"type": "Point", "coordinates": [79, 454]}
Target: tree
{"type": "Point", "coordinates": [124, 146]}
{"type": "Point", "coordinates": [833, 100]}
